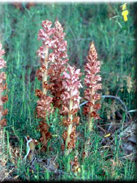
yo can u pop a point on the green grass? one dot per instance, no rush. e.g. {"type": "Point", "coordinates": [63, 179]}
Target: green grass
{"type": "Point", "coordinates": [115, 46]}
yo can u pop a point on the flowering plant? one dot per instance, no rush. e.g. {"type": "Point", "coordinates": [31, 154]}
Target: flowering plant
{"type": "Point", "coordinates": [92, 80]}
{"type": "Point", "coordinates": [53, 58]}
{"type": "Point", "coordinates": [44, 104]}
{"type": "Point", "coordinates": [61, 84]}
{"type": "Point", "coordinates": [3, 86]}
{"type": "Point", "coordinates": [59, 65]}
{"type": "Point", "coordinates": [71, 100]}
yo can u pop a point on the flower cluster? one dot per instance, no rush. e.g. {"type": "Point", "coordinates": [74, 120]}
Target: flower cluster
{"type": "Point", "coordinates": [71, 99]}
{"type": "Point", "coordinates": [61, 84]}
{"type": "Point", "coordinates": [44, 104]}
{"type": "Point", "coordinates": [3, 87]}
{"type": "Point", "coordinates": [44, 107]}
{"type": "Point", "coordinates": [59, 64]}
{"type": "Point", "coordinates": [92, 80]}
{"type": "Point", "coordinates": [53, 59]}
{"type": "Point", "coordinates": [60, 50]}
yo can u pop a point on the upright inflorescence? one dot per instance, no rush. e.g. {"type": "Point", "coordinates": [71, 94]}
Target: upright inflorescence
{"type": "Point", "coordinates": [59, 64]}
{"type": "Point", "coordinates": [71, 99]}
{"type": "Point", "coordinates": [44, 104]}
{"type": "Point", "coordinates": [92, 79]}
{"type": "Point", "coordinates": [3, 86]}
{"type": "Point", "coordinates": [53, 59]}
{"type": "Point", "coordinates": [61, 84]}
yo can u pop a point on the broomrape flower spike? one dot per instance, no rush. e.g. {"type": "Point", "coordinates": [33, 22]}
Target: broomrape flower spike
{"type": "Point", "coordinates": [44, 104]}
{"type": "Point", "coordinates": [71, 100]}
{"type": "Point", "coordinates": [58, 66]}
{"type": "Point", "coordinates": [53, 57]}
{"type": "Point", "coordinates": [92, 80]}
{"type": "Point", "coordinates": [3, 87]}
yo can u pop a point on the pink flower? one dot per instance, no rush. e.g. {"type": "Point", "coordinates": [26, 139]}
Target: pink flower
{"type": "Point", "coordinates": [46, 25]}
{"type": "Point", "coordinates": [59, 59]}
{"type": "Point", "coordinates": [2, 63]}
{"type": "Point", "coordinates": [71, 84]}
{"type": "Point", "coordinates": [92, 81]}
{"type": "Point", "coordinates": [70, 98]}
{"type": "Point", "coordinates": [46, 34]}
{"type": "Point", "coordinates": [3, 86]}
{"type": "Point", "coordinates": [2, 52]}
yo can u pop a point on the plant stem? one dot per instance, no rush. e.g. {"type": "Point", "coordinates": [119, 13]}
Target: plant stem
{"type": "Point", "coordinates": [69, 128]}
{"type": "Point", "coordinates": [89, 129]}
{"type": "Point", "coordinates": [1, 104]}
{"type": "Point", "coordinates": [46, 66]}
{"type": "Point", "coordinates": [90, 119]}
{"type": "Point", "coordinates": [90, 122]}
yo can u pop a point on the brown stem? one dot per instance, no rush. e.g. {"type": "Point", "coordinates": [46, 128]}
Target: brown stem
{"type": "Point", "coordinates": [46, 66]}
{"type": "Point", "coordinates": [90, 119]}
{"type": "Point", "coordinates": [69, 130]}
{"type": "Point", "coordinates": [90, 127]}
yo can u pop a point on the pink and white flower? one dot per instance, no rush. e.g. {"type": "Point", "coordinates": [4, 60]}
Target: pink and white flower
{"type": "Point", "coordinates": [92, 82]}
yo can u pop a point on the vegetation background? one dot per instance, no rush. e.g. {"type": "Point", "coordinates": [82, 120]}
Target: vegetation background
{"type": "Point", "coordinates": [115, 43]}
